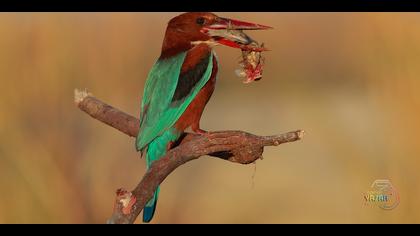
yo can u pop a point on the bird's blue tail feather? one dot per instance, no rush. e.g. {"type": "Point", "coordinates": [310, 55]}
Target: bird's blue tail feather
{"type": "Point", "coordinates": [149, 209]}
{"type": "Point", "coordinates": [155, 150]}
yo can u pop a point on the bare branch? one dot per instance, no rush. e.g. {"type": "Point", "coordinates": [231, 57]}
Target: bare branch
{"type": "Point", "coordinates": [235, 146]}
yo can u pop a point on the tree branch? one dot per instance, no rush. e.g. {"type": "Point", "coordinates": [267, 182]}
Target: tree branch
{"type": "Point", "coordinates": [235, 146]}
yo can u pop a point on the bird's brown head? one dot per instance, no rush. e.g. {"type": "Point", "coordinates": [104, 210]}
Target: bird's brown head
{"type": "Point", "coordinates": [188, 29]}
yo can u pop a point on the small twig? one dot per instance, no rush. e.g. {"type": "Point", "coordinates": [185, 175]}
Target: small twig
{"type": "Point", "coordinates": [235, 146]}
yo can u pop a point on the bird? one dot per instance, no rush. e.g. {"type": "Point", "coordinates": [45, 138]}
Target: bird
{"type": "Point", "coordinates": [181, 82]}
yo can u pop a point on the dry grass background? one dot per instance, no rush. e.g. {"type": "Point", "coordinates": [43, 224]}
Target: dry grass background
{"type": "Point", "coordinates": [351, 80]}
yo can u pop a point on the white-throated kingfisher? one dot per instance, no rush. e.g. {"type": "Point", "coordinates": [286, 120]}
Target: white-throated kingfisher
{"type": "Point", "coordinates": [182, 81]}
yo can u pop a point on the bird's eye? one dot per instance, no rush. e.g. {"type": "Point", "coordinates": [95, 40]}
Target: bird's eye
{"type": "Point", "coordinates": [201, 20]}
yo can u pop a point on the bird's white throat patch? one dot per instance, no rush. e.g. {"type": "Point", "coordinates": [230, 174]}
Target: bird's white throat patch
{"type": "Point", "coordinates": [210, 43]}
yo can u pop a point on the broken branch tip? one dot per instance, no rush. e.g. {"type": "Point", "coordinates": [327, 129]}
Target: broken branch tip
{"type": "Point", "coordinates": [80, 95]}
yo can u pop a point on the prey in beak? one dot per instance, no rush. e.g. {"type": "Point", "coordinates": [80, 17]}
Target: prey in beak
{"type": "Point", "coordinates": [230, 33]}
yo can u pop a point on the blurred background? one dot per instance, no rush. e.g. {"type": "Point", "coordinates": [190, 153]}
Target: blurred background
{"type": "Point", "coordinates": [350, 80]}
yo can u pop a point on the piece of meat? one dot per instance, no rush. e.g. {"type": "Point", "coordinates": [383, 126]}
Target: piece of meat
{"type": "Point", "coordinates": [251, 65]}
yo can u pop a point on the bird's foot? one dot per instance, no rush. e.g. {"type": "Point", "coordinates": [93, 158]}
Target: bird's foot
{"type": "Point", "coordinates": [169, 146]}
{"type": "Point", "coordinates": [200, 131]}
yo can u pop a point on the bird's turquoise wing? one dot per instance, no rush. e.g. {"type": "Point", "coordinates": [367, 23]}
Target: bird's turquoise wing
{"type": "Point", "coordinates": [163, 100]}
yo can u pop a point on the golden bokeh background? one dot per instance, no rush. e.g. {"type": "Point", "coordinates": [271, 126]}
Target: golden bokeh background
{"type": "Point", "coordinates": [350, 80]}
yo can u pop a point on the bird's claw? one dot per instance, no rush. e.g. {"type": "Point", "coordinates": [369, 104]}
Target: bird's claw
{"type": "Point", "coordinates": [200, 131]}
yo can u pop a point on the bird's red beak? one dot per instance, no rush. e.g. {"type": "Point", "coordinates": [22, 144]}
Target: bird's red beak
{"type": "Point", "coordinates": [229, 32]}
{"type": "Point", "coordinates": [225, 23]}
